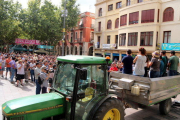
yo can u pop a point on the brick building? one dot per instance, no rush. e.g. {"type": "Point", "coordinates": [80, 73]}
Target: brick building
{"type": "Point", "coordinates": [79, 40]}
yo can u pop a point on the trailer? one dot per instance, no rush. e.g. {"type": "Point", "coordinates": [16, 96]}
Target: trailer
{"type": "Point", "coordinates": [135, 91]}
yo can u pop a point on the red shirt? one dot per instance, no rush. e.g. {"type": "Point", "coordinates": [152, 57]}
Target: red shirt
{"type": "Point", "coordinates": [113, 69]}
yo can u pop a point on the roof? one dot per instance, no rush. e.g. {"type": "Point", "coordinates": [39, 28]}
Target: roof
{"type": "Point", "coordinates": [76, 59]}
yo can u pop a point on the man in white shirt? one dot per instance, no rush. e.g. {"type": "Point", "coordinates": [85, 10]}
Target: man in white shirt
{"type": "Point", "coordinates": [20, 72]}
{"type": "Point", "coordinates": [37, 72]}
{"type": "Point", "coordinates": [32, 67]}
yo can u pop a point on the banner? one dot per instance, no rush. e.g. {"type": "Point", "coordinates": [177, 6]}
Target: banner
{"type": "Point", "coordinates": [108, 46]}
{"type": "Point", "coordinates": [45, 47]}
{"type": "Point", "coordinates": [27, 42]}
{"type": "Point", "coordinates": [171, 46]}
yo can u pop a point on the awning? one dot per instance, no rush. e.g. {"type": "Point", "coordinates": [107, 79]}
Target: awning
{"type": "Point", "coordinates": [115, 54]}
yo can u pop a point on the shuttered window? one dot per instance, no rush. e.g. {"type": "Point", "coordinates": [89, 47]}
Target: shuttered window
{"type": "Point", "coordinates": [168, 14]}
{"type": "Point", "coordinates": [109, 24]}
{"type": "Point", "coordinates": [122, 39]}
{"type": "Point", "coordinates": [133, 18]}
{"type": "Point", "coordinates": [108, 39]}
{"type": "Point", "coordinates": [123, 20]}
{"type": "Point", "coordinates": [117, 23]}
{"type": "Point", "coordinates": [146, 39]}
{"type": "Point", "coordinates": [147, 16]}
{"type": "Point", "coordinates": [132, 39]}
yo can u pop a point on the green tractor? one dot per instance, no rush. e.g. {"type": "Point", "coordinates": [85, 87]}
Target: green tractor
{"type": "Point", "coordinates": [80, 92]}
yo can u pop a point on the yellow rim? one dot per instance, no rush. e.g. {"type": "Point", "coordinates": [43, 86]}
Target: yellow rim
{"type": "Point", "coordinates": [112, 114]}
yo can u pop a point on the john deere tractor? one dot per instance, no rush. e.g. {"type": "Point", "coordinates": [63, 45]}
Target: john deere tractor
{"type": "Point", "coordinates": [80, 92]}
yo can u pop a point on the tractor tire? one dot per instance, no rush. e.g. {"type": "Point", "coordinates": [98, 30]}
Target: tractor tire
{"type": "Point", "coordinates": [165, 106]}
{"type": "Point", "coordinates": [111, 109]}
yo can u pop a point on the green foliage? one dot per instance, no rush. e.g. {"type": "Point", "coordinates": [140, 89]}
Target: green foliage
{"type": "Point", "coordinates": [42, 22]}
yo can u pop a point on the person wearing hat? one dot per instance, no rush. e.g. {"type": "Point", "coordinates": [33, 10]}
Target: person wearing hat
{"type": "Point", "coordinates": [154, 65]}
{"type": "Point", "coordinates": [44, 75]}
{"type": "Point", "coordinates": [173, 64]}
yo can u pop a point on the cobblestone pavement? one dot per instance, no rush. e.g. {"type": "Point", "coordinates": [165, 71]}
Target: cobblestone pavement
{"type": "Point", "coordinates": [9, 91]}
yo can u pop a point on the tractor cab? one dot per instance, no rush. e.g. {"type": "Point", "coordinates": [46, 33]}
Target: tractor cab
{"type": "Point", "coordinates": [83, 82]}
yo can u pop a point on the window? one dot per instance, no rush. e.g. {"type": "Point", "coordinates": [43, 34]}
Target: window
{"type": "Point", "coordinates": [139, 1]}
{"type": "Point", "coordinates": [147, 16]}
{"type": "Point", "coordinates": [98, 43]}
{"type": "Point", "coordinates": [117, 23]}
{"type": "Point", "coordinates": [132, 39]}
{"type": "Point", "coordinates": [110, 7]}
{"type": "Point", "coordinates": [109, 24]}
{"type": "Point", "coordinates": [99, 26]}
{"type": "Point", "coordinates": [76, 35]}
{"type": "Point", "coordinates": [123, 20]}
{"type": "Point", "coordinates": [122, 39]}
{"type": "Point", "coordinates": [118, 5]}
{"type": "Point", "coordinates": [108, 39]}
{"type": "Point", "coordinates": [81, 35]}
{"type": "Point", "coordinates": [71, 37]}
{"type": "Point", "coordinates": [133, 18]}
{"type": "Point", "coordinates": [168, 14]}
{"type": "Point", "coordinates": [167, 37]}
{"type": "Point", "coordinates": [100, 12]}
{"type": "Point", "coordinates": [128, 3]}
{"type": "Point", "coordinates": [146, 39]}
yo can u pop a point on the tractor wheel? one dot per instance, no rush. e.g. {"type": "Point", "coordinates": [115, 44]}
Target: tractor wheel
{"type": "Point", "coordinates": [165, 106]}
{"type": "Point", "coordinates": [111, 109]}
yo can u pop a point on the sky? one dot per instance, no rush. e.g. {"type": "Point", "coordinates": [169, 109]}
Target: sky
{"type": "Point", "coordinates": [85, 5]}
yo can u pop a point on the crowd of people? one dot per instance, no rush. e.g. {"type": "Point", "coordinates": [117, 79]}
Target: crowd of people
{"type": "Point", "coordinates": [159, 65]}
{"type": "Point", "coordinates": [28, 67]}
{"type": "Point", "coordinates": [32, 67]}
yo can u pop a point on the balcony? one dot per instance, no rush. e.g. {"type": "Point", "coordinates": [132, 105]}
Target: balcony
{"type": "Point", "coordinates": [81, 26]}
{"type": "Point", "coordinates": [132, 2]}
{"type": "Point", "coordinates": [80, 40]}
{"type": "Point", "coordinates": [92, 26]}
{"type": "Point", "coordinates": [98, 30]}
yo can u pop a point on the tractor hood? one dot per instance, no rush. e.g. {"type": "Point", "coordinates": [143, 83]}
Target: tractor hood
{"type": "Point", "coordinates": [33, 104]}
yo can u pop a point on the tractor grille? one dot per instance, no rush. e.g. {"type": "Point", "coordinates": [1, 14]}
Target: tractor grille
{"type": "Point", "coordinates": [18, 118]}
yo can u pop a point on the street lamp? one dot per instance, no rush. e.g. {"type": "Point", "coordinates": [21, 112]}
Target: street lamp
{"type": "Point", "coordinates": [64, 27]}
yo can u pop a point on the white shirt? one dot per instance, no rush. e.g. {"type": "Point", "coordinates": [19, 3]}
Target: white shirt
{"type": "Point", "coordinates": [20, 71]}
{"type": "Point", "coordinates": [139, 66]}
{"type": "Point", "coordinates": [33, 65]}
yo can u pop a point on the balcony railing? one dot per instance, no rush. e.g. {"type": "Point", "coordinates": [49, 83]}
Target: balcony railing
{"type": "Point", "coordinates": [132, 2]}
{"type": "Point", "coordinates": [98, 30]}
{"type": "Point", "coordinates": [81, 26]}
{"type": "Point", "coordinates": [80, 40]}
{"type": "Point", "coordinates": [92, 26]}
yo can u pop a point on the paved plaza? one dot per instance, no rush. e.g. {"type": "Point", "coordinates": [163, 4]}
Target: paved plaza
{"type": "Point", "coordinates": [9, 91]}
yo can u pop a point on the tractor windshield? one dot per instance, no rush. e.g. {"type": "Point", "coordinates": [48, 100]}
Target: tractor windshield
{"type": "Point", "coordinates": [64, 78]}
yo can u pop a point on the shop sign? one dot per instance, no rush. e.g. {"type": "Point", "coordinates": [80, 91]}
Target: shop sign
{"type": "Point", "coordinates": [108, 46]}
{"type": "Point", "coordinates": [171, 46]}
{"type": "Point", "coordinates": [27, 42]}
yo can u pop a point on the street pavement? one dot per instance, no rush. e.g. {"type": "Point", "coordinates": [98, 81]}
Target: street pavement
{"type": "Point", "coordinates": [9, 91]}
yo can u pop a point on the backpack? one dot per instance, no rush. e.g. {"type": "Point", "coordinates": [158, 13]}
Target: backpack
{"type": "Point", "coordinates": [39, 80]}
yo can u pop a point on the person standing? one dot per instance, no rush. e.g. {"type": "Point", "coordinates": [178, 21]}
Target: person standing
{"type": "Point", "coordinates": [161, 66]}
{"type": "Point", "coordinates": [154, 65]}
{"type": "Point", "coordinates": [37, 72]}
{"type": "Point", "coordinates": [8, 66]}
{"type": "Point", "coordinates": [165, 60]}
{"type": "Point", "coordinates": [32, 66]}
{"type": "Point", "coordinates": [127, 63]}
{"type": "Point", "coordinates": [44, 77]}
{"type": "Point", "coordinates": [13, 69]}
{"type": "Point", "coordinates": [140, 61]}
{"type": "Point", "coordinates": [26, 69]}
{"type": "Point", "coordinates": [173, 64]}
{"type": "Point", "coordinates": [20, 73]}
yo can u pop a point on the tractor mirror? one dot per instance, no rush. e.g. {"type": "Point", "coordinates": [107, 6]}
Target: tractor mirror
{"type": "Point", "coordinates": [83, 74]}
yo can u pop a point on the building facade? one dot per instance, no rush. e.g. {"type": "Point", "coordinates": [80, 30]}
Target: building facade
{"type": "Point", "coordinates": [127, 24]}
{"type": "Point", "coordinates": [79, 40]}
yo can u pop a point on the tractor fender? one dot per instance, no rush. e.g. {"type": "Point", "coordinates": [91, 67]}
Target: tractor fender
{"type": "Point", "coordinates": [97, 105]}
